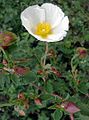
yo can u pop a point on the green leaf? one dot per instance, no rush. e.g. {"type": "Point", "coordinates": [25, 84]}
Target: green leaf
{"type": "Point", "coordinates": [82, 117]}
{"type": "Point", "coordinates": [1, 66]}
{"type": "Point", "coordinates": [83, 88]}
{"type": "Point", "coordinates": [43, 116]}
{"type": "Point", "coordinates": [29, 77]}
{"type": "Point", "coordinates": [52, 107]}
{"type": "Point", "coordinates": [49, 87]}
{"type": "Point", "coordinates": [6, 104]}
{"type": "Point", "coordinates": [57, 115]}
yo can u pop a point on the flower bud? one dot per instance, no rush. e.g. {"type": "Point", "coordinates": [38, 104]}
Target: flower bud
{"type": "Point", "coordinates": [37, 101]}
{"type": "Point", "coordinates": [6, 39]}
{"type": "Point", "coordinates": [21, 70]}
{"type": "Point", "coordinates": [40, 72]}
{"type": "Point", "coordinates": [56, 72]}
{"type": "Point", "coordinates": [82, 52]}
{"type": "Point", "coordinates": [26, 104]}
{"type": "Point", "coordinates": [51, 53]}
{"type": "Point", "coordinates": [21, 113]}
{"type": "Point", "coordinates": [21, 96]}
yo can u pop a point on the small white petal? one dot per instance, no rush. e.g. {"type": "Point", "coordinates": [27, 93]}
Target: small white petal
{"type": "Point", "coordinates": [63, 26]}
{"type": "Point", "coordinates": [31, 16]}
{"type": "Point", "coordinates": [65, 23]}
{"type": "Point", "coordinates": [57, 37]}
{"type": "Point", "coordinates": [53, 14]}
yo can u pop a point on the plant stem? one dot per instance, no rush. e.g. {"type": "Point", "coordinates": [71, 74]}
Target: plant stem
{"type": "Point", "coordinates": [46, 51]}
{"type": "Point", "coordinates": [72, 60]}
{"type": "Point", "coordinates": [71, 117]}
{"type": "Point", "coordinates": [43, 61]}
{"type": "Point", "coordinates": [74, 71]}
{"type": "Point", "coordinates": [6, 104]}
{"type": "Point", "coordinates": [4, 53]}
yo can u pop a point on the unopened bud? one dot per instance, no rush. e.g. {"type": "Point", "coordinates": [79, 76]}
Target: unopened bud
{"type": "Point", "coordinates": [82, 52]}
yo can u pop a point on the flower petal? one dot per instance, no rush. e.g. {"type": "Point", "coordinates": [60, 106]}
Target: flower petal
{"type": "Point", "coordinates": [65, 23]}
{"type": "Point", "coordinates": [53, 14]}
{"type": "Point", "coordinates": [57, 37]}
{"type": "Point", "coordinates": [31, 16]}
{"type": "Point", "coordinates": [63, 26]}
{"type": "Point", "coordinates": [51, 38]}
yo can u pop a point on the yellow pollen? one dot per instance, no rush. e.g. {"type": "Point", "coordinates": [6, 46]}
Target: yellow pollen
{"type": "Point", "coordinates": [43, 29]}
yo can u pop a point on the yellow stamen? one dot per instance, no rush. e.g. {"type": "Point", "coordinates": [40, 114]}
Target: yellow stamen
{"type": "Point", "coordinates": [43, 29]}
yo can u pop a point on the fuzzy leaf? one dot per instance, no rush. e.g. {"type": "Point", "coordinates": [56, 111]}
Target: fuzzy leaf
{"type": "Point", "coordinates": [57, 115]}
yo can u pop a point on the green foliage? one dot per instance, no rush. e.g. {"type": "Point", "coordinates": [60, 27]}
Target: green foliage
{"type": "Point", "coordinates": [57, 115]}
{"type": "Point", "coordinates": [44, 92]}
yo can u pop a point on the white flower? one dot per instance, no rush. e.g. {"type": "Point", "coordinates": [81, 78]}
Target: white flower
{"type": "Point", "coordinates": [46, 22]}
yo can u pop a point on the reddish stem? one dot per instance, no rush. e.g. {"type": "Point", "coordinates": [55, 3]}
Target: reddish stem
{"type": "Point", "coordinates": [71, 117]}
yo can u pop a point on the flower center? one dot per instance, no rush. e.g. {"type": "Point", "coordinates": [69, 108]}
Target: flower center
{"type": "Point", "coordinates": [43, 29]}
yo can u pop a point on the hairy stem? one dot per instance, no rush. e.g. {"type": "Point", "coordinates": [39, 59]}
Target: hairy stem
{"type": "Point", "coordinates": [4, 53]}
{"type": "Point", "coordinates": [43, 59]}
{"type": "Point", "coordinates": [46, 51]}
{"type": "Point", "coordinates": [71, 117]}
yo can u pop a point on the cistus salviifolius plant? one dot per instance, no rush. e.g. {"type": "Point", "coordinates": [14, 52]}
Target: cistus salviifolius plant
{"type": "Point", "coordinates": [44, 69]}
